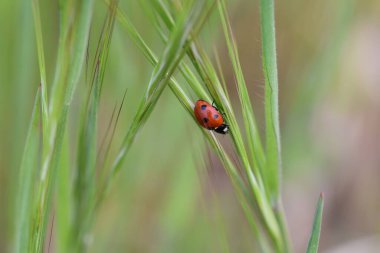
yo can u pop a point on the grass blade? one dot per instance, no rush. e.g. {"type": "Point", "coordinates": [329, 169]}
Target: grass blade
{"type": "Point", "coordinates": [254, 139]}
{"type": "Point", "coordinates": [27, 173]}
{"type": "Point", "coordinates": [273, 166]}
{"type": "Point", "coordinates": [41, 61]}
{"type": "Point", "coordinates": [316, 231]}
{"type": "Point", "coordinates": [273, 145]}
{"type": "Point", "coordinates": [64, 206]}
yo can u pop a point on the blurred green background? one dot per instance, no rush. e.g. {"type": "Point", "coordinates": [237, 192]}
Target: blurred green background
{"type": "Point", "coordinates": [164, 200]}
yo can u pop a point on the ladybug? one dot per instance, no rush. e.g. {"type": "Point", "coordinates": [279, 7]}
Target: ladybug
{"type": "Point", "coordinates": [209, 117]}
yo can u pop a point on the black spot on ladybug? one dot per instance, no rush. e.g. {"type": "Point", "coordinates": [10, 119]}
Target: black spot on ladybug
{"type": "Point", "coordinates": [203, 107]}
{"type": "Point", "coordinates": [205, 120]}
{"type": "Point", "coordinates": [216, 116]}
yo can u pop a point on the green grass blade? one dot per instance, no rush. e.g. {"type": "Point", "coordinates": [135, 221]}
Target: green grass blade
{"type": "Point", "coordinates": [27, 173]}
{"type": "Point", "coordinates": [41, 61]}
{"type": "Point", "coordinates": [273, 145]}
{"type": "Point", "coordinates": [254, 139]}
{"type": "Point", "coordinates": [17, 97]}
{"type": "Point", "coordinates": [273, 167]}
{"type": "Point", "coordinates": [316, 231]}
{"type": "Point", "coordinates": [80, 44]}
{"type": "Point", "coordinates": [64, 204]}
{"type": "Point", "coordinates": [62, 62]}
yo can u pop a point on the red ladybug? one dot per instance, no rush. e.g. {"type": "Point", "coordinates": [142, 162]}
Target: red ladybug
{"type": "Point", "coordinates": [209, 117]}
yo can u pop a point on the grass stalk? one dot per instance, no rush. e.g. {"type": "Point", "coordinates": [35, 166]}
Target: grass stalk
{"type": "Point", "coordinates": [273, 145]}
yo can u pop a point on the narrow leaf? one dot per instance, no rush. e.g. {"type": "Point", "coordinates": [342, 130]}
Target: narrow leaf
{"type": "Point", "coordinates": [316, 231]}
{"type": "Point", "coordinates": [29, 163]}
{"type": "Point", "coordinates": [41, 60]}
{"type": "Point", "coordinates": [254, 139]}
{"type": "Point", "coordinates": [273, 146]}
{"type": "Point", "coordinates": [64, 200]}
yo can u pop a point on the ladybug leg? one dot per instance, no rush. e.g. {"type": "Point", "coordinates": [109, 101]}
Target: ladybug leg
{"type": "Point", "coordinates": [216, 108]}
{"type": "Point", "coordinates": [214, 105]}
{"type": "Point", "coordinates": [223, 114]}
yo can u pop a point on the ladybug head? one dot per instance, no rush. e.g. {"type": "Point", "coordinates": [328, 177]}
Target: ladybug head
{"type": "Point", "coordinates": [222, 129]}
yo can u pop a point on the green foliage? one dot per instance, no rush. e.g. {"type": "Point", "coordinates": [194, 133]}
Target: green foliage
{"type": "Point", "coordinates": [72, 194]}
{"type": "Point", "coordinates": [208, 74]}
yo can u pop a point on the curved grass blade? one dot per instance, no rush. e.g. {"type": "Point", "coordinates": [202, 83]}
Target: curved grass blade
{"type": "Point", "coordinates": [41, 61]}
{"type": "Point", "coordinates": [254, 139]}
{"type": "Point", "coordinates": [27, 173]}
{"type": "Point", "coordinates": [316, 231]}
